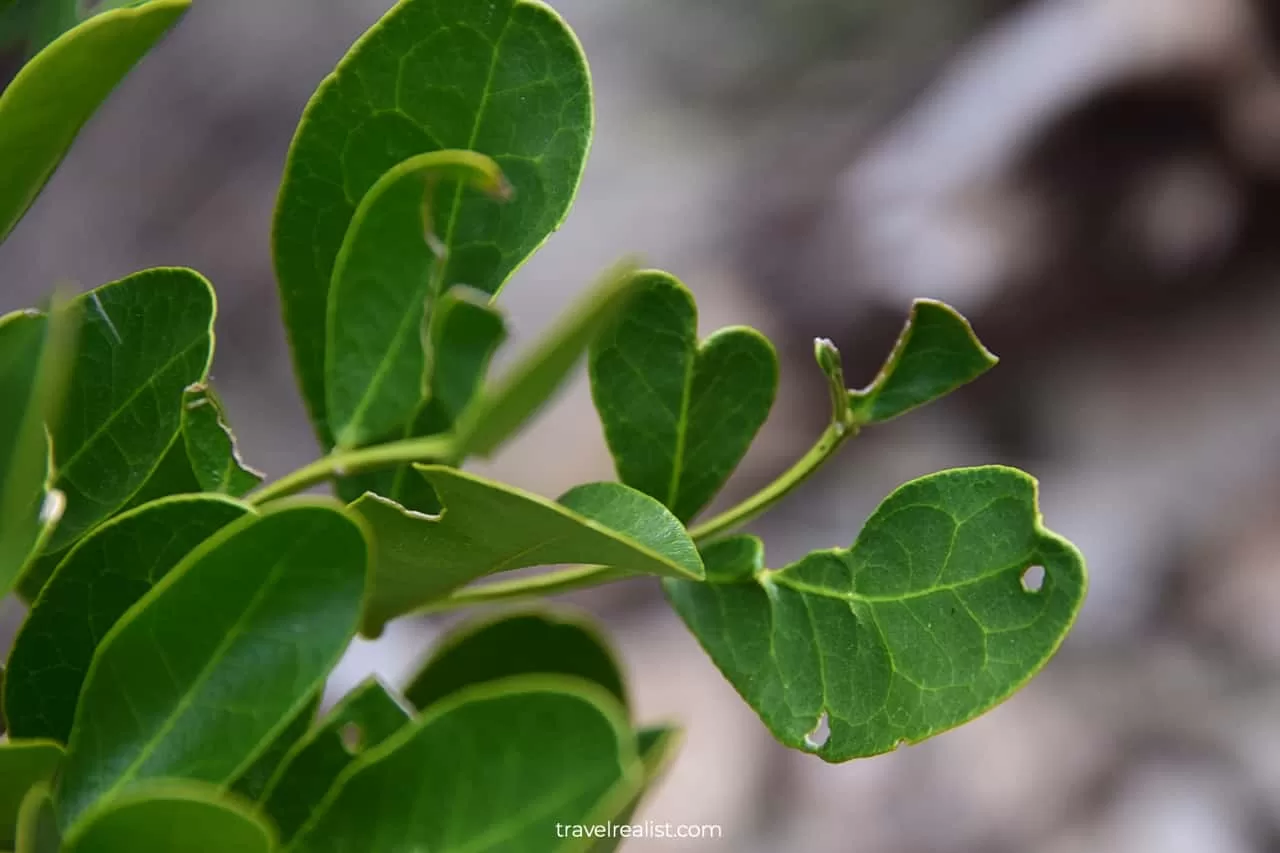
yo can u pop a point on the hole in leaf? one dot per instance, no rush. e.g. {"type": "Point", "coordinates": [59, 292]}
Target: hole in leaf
{"type": "Point", "coordinates": [1033, 579]}
{"type": "Point", "coordinates": [352, 738]}
{"type": "Point", "coordinates": [821, 733]}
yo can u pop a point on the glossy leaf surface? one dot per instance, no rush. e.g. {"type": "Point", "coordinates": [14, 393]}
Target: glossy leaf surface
{"type": "Point", "coordinates": [201, 674]}
{"type": "Point", "coordinates": [504, 78]}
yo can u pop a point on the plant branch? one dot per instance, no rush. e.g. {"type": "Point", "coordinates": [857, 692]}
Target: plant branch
{"type": "Point", "coordinates": [340, 464]}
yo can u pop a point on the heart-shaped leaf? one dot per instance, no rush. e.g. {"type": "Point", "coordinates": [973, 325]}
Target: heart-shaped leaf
{"type": "Point", "coordinates": [498, 412]}
{"type": "Point", "coordinates": [925, 623]}
{"type": "Point", "coordinates": [199, 677]}
{"type": "Point", "coordinates": [24, 764]}
{"type": "Point", "coordinates": [364, 718]}
{"type": "Point", "coordinates": [679, 415]}
{"type": "Point", "coordinates": [386, 280]}
{"type": "Point", "coordinates": [211, 446]}
{"type": "Point", "coordinates": [504, 78]}
{"type": "Point", "coordinates": [518, 644]}
{"type": "Point", "coordinates": [53, 95]}
{"type": "Point", "coordinates": [172, 817]}
{"type": "Point", "coordinates": [142, 341]}
{"type": "Point", "coordinates": [936, 353]}
{"type": "Point", "coordinates": [501, 766]}
{"type": "Point", "coordinates": [422, 558]}
{"type": "Point", "coordinates": [465, 332]}
{"type": "Point", "coordinates": [98, 580]}
{"type": "Point", "coordinates": [37, 829]}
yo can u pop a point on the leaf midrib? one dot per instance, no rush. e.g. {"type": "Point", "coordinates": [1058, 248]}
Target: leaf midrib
{"type": "Point", "coordinates": [206, 672]}
{"type": "Point", "coordinates": [780, 578]}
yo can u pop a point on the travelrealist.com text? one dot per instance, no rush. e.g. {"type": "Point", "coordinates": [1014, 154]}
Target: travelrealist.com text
{"type": "Point", "coordinates": [646, 829]}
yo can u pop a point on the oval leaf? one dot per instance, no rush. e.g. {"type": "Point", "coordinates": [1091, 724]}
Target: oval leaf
{"type": "Point", "coordinates": [504, 78]}
{"type": "Point", "coordinates": [922, 625]}
{"type": "Point", "coordinates": [518, 644]}
{"type": "Point", "coordinates": [24, 765]}
{"type": "Point", "coordinates": [364, 718]}
{"type": "Point", "coordinates": [142, 341]}
{"type": "Point", "coordinates": [53, 95]}
{"type": "Point", "coordinates": [202, 673]}
{"type": "Point", "coordinates": [385, 284]}
{"type": "Point", "coordinates": [104, 575]}
{"type": "Point", "coordinates": [422, 558]}
{"type": "Point", "coordinates": [172, 818]}
{"type": "Point", "coordinates": [678, 415]}
{"type": "Point", "coordinates": [497, 767]}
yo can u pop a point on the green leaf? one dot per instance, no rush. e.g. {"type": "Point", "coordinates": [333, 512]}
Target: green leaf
{"type": "Point", "coordinates": [518, 644]}
{"type": "Point", "coordinates": [142, 341]}
{"type": "Point", "coordinates": [936, 353]}
{"type": "Point", "coordinates": [421, 558]}
{"type": "Point", "coordinates": [924, 624]}
{"type": "Point", "coordinates": [658, 747]}
{"type": "Point", "coordinates": [678, 415]}
{"type": "Point", "coordinates": [366, 717]}
{"type": "Point", "coordinates": [24, 764]}
{"type": "Point", "coordinates": [199, 677]}
{"type": "Point", "coordinates": [504, 78]}
{"type": "Point", "coordinates": [104, 575]}
{"type": "Point", "coordinates": [54, 94]}
{"type": "Point", "coordinates": [37, 826]}
{"type": "Point", "coordinates": [171, 818]}
{"type": "Point", "coordinates": [253, 782]}
{"type": "Point", "coordinates": [211, 447]}
{"type": "Point", "coordinates": [499, 412]}
{"type": "Point", "coordinates": [33, 354]}
{"type": "Point", "coordinates": [494, 768]}
{"type": "Point", "coordinates": [385, 284]}
{"type": "Point", "coordinates": [465, 332]}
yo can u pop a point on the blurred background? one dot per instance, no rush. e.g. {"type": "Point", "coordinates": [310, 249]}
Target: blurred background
{"type": "Point", "coordinates": [1094, 183]}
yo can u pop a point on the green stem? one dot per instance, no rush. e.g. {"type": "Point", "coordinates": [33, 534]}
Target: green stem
{"type": "Point", "coordinates": [537, 586]}
{"type": "Point", "coordinates": [340, 464]}
{"type": "Point", "coordinates": [834, 436]}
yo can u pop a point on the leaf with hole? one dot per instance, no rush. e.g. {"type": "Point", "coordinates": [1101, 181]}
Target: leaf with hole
{"type": "Point", "coordinates": [142, 341]}
{"type": "Point", "coordinates": [95, 584]}
{"type": "Point", "coordinates": [24, 764]}
{"type": "Point", "coordinates": [936, 353]}
{"type": "Point", "coordinates": [385, 283]}
{"type": "Point", "coordinates": [199, 677]}
{"type": "Point", "coordinates": [534, 643]}
{"type": "Point", "coordinates": [211, 447]}
{"type": "Point", "coordinates": [52, 96]}
{"type": "Point", "coordinates": [499, 412]}
{"type": "Point", "coordinates": [507, 762]}
{"type": "Point", "coordinates": [503, 78]}
{"type": "Point", "coordinates": [679, 415]}
{"type": "Point", "coordinates": [365, 717]}
{"type": "Point", "coordinates": [422, 558]}
{"type": "Point", "coordinates": [172, 817]}
{"type": "Point", "coordinates": [923, 624]}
